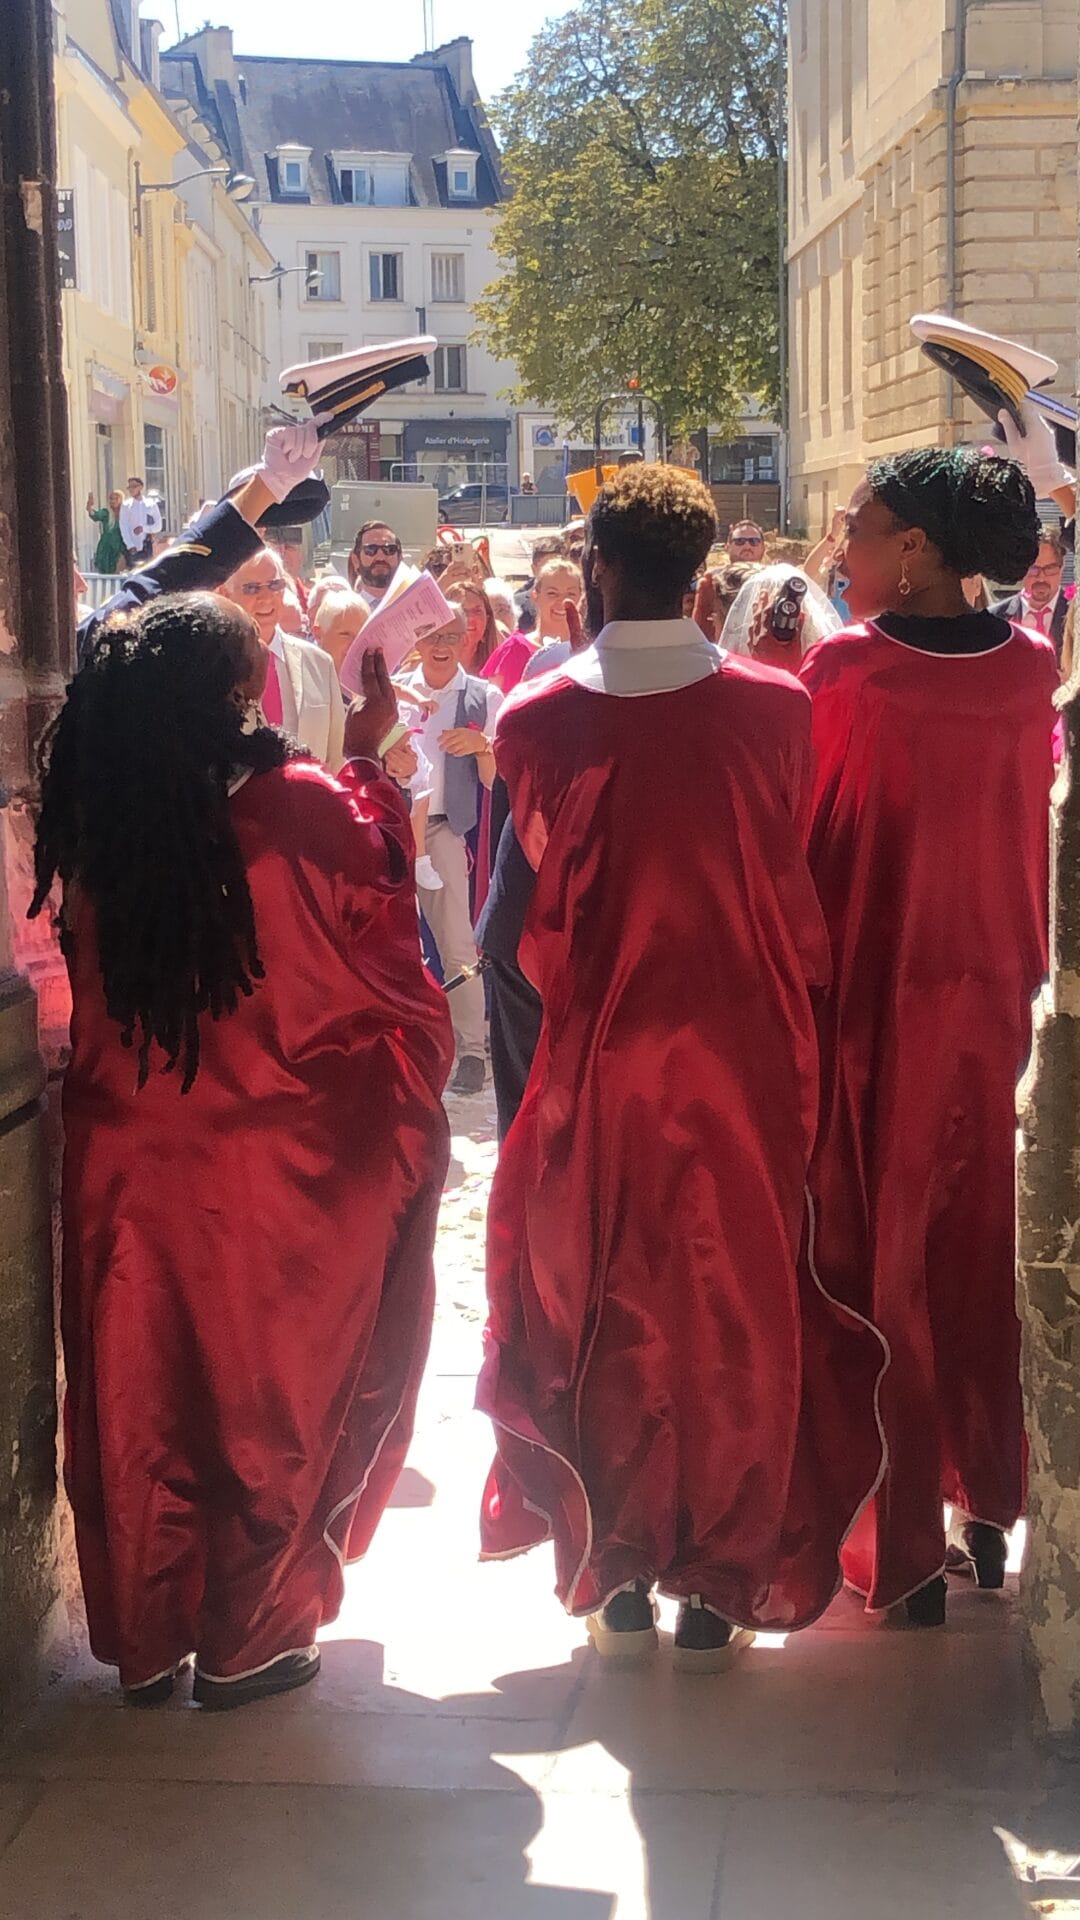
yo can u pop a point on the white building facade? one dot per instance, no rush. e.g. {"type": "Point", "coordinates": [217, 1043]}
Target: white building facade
{"type": "Point", "coordinates": [377, 184]}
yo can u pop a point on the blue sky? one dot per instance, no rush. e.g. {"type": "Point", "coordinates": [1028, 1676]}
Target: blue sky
{"type": "Point", "coordinates": [501, 30]}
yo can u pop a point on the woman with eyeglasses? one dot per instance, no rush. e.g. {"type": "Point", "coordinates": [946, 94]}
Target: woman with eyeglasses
{"type": "Point", "coordinates": [302, 692]}
{"type": "Point", "coordinates": [928, 844]}
{"type": "Point", "coordinates": [374, 560]}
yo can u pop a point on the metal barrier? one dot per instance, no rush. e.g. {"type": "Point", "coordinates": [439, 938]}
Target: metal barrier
{"type": "Point", "coordinates": [540, 510]}
{"type": "Point", "coordinates": [101, 587]}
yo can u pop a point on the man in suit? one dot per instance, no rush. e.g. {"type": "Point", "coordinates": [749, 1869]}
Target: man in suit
{"type": "Point", "coordinates": [1041, 603]}
{"type": "Point", "coordinates": [302, 692]}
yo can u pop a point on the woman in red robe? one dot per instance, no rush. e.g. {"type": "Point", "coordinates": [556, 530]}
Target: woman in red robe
{"type": "Point", "coordinates": [929, 846]}
{"type": "Point", "coordinates": [255, 1149]}
{"type": "Point", "coordinates": [674, 1403]}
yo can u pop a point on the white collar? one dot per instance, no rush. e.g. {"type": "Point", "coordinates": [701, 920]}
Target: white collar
{"type": "Point", "coordinates": [1050, 608]}
{"type": "Point", "coordinates": [631, 658]}
{"type": "Point", "coordinates": [277, 644]}
{"type": "Point", "coordinates": [650, 633]}
{"type": "Point", "coordinates": [420, 686]}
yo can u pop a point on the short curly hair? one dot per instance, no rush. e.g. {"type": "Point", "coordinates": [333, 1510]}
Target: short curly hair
{"type": "Point", "coordinates": [656, 524]}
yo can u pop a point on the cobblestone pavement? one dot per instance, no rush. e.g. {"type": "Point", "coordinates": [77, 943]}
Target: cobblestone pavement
{"type": "Point", "coordinates": [462, 1757]}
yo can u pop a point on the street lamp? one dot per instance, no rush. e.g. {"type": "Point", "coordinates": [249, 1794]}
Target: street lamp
{"type": "Point", "coordinates": [239, 186]}
{"type": "Point", "coordinates": [279, 273]}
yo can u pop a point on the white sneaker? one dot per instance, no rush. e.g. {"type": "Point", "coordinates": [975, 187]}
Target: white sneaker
{"type": "Point", "coordinates": [426, 875]}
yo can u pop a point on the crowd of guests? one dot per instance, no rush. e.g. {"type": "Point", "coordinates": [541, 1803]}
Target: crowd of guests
{"type": "Point", "coordinates": [763, 944]}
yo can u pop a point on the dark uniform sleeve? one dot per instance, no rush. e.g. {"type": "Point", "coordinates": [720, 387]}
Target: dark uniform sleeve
{"type": "Point", "coordinates": [207, 552]}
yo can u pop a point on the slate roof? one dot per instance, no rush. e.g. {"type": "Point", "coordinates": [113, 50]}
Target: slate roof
{"type": "Point", "coordinates": [338, 106]}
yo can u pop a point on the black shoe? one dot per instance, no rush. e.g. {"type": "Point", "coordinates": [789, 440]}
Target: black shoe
{"type": "Point", "coordinates": [988, 1550]}
{"type": "Point", "coordinates": [926, 1607]}
{"type": "Point", "coordinates": [470, 1075]}
{"type": "Point", "coordinates": [156, 1693]}
{"type": "Point", "coordinates": [626, 1628]}
{"type": "Point", "coordinates": [281, 1676]}
{"type": "Point", "coordinates": [704, 1641]}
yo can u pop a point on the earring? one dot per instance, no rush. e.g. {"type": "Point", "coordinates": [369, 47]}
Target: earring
{"type": "Point", "coordinates": [905, 583]}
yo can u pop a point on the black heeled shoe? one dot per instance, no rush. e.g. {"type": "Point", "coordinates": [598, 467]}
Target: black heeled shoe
{"type": "Point", "coordinates": [926, 1607]}
{"type": "Point", "coordinates": [988, 1550]}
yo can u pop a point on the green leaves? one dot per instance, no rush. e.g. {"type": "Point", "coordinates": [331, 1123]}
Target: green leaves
{"type": "Point", "coordinates": [641, 146]}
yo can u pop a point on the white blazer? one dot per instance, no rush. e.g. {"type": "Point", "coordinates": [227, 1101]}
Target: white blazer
{"type": "Point", "coordinates": [312, 708]}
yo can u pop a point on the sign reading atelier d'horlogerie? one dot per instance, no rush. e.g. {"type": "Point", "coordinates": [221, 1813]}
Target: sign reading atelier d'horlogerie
{"type": "Point", "coordinates": [65, 237]}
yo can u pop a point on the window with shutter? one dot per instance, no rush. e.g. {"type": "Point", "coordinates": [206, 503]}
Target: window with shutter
{"type": "Point", "coordinates": [448, 277]}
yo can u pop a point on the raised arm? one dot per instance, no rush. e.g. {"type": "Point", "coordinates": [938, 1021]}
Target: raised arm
{"type": "Point", "coordinates": [221, 539]}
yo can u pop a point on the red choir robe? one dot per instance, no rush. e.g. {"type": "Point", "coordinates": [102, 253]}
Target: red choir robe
{"type": "Point", "coordinates": [929, 847]}
{"type": "Point", "coordinates": [247, 1277]}
{"type": "Point", "coordinates": [665, 1385]}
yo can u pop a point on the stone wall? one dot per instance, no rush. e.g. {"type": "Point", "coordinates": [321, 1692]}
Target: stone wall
{"type": "Point", "coordinates": [868, 226]}
{"type": "Point", "coordinates": [36, 620]}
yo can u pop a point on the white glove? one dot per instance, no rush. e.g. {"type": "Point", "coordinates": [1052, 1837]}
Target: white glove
{"type": "Point", "coordinates": [289, 455]}
{"type": "Point", "coordinates": [1036, 450]}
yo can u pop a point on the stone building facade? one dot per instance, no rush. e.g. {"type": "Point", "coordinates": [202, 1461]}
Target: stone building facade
{"type": "Point", "coordinates": [932, 166]}
{"type": "Point", "coordinates": [377, 186]}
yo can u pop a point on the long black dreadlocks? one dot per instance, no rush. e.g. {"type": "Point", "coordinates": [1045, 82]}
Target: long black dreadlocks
{"type": "Point", "coordinates": [135, 777]}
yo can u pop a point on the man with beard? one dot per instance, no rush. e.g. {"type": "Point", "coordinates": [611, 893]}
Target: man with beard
{"type": "Point", "coordinates": [374, 560]}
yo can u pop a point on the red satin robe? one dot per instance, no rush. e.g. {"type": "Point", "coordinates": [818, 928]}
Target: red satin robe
{"type": "Point", "coordinates": [929, 846]}
{"type": "Point", "coordinates": [247, 1279]}
{"type": "Point", "coordinates": [665, 1387]}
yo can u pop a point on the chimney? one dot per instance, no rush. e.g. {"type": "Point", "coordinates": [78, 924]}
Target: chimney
{"type": "Point", "coordinates": [213, 49]}
{"type": "Point", "coordinates": [150, 32]}
{"type": "Point", "coordinates": [456, 57]}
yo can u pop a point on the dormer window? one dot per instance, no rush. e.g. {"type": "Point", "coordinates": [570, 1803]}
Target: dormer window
{"type": "Point", "coordinates": [460, 174]}
{"type": "Point", "coordinates": [372, 179]}
{"type": "Point", "coordinates": [293, 169]}
{"type": "Point", "coordinates": [357, 186]}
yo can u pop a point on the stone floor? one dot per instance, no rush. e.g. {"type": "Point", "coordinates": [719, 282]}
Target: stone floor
{"type": "Point", "coordinates": [463, 1758]}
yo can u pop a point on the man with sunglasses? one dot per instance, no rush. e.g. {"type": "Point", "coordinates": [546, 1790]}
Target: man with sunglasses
{"type": "Point", "coordinates": [302, 694]}
{"type": "Point", "coordinates": [374, 560]}
{"type": "Point", "coordinates": [746, 541]}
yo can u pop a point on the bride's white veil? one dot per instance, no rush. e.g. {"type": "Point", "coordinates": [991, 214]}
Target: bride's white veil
{"type": "Point", "coordinates": [748, 621]}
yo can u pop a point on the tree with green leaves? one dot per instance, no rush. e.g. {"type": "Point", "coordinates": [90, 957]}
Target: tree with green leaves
{"type": "Point", "coordinates": [642, 145]}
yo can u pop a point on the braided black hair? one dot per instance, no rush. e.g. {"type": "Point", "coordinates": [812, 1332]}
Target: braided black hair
{"type": "Point", "coordinates": [978, 511]}
{"type": "Point", "coordinates": [135, 813]}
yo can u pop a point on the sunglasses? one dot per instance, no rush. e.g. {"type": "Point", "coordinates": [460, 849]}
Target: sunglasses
{"type": "Point", "coordinates": [389, 547]}
{"type": "Point", "coordinates": [746, 540]}
{"type": "Point", "coordinates": [251, 589]}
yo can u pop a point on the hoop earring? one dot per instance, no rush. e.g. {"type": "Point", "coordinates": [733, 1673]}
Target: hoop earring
{"type": "Point", "coordinates": [905, 583]}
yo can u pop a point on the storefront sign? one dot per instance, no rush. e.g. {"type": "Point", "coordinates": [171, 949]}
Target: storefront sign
{"type": "Point", "coordinates": [65, 237]}
{"type": "Point", "coordinates": [162, 381]}
{"type": "Point", "coordinates": [468, 439]}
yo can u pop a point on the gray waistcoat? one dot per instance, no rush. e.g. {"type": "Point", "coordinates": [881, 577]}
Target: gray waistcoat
{"type": "Point", "coordinates": [461, 783]}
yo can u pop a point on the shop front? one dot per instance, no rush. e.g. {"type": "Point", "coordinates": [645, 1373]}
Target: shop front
{"type": "Point", "coordinates": [454, 453]}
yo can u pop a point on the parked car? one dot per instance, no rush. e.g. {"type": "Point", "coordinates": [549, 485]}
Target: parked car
{"type": "Point", "coordinates": [474, 504]}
